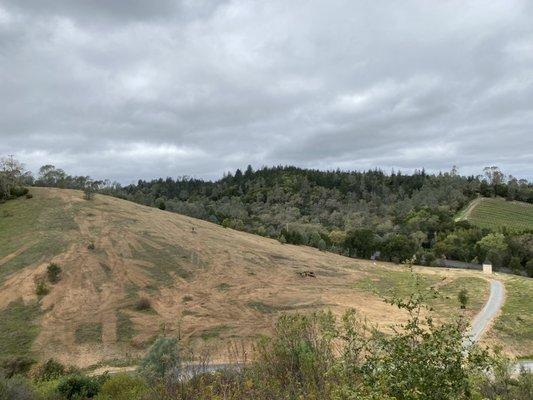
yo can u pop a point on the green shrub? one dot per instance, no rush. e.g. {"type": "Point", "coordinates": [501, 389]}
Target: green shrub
{"type": "Point", "coordinates": [78, 387]}
{"type": "Point", "coordinates": [462, 296]}
{"type": "Point", "coordinates": [41, 289]}
{"type": "Point", "coordinates": [123, 387]}
{"type": "Point", "coordinates": [529, 268]}
{"type": "Point", "coordinates": [48, 370]}
{"type": "Point", "coordinates": [162, 358]}
{"type": "Point", "coordinates": [19, 191]}
{"type": "Point", "coordinates": [514, 264]}
{"type": "Point", "coordinates": [53, 273]}
{"type": "Point", "coordinates": [47, 390]}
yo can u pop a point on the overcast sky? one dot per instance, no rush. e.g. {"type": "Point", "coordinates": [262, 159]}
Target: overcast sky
{"type": "Point", "coordinates": [141, 89]}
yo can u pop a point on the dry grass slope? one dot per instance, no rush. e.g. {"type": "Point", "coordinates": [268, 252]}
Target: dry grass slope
{"type": "Point", "coordinates": [204, 283]}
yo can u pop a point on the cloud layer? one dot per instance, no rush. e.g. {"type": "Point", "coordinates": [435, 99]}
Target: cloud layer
{"type": "Point", "coordinates": [138, 89]}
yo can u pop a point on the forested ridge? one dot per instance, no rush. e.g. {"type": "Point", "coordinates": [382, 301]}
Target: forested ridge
{"type": "Point", "coordinates": [353, 213]}
{"type": "Point", "coordinates": [392, 216]}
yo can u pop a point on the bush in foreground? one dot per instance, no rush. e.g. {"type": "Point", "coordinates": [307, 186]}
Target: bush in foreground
{"type": "Point", "coordinates": [123, 387]}
{"type": "Point", "coordinates": [76, 387]}
{"type": "Point", "coordinates": [162, 359]}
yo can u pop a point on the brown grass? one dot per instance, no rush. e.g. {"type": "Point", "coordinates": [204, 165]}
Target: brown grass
{"type": "Point", "coordinates": [149, 251]}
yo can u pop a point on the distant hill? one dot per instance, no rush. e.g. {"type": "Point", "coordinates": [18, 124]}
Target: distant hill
{"type": "Point", "coordinates": [130, 273]}
{"type": "Point", "coordinates": [495, 213]}
{"type": "Point", "coordinates": [353, 213]}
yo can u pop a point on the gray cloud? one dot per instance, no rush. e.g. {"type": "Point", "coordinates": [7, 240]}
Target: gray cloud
{"type": "Point", "coordinates": [139, 89]}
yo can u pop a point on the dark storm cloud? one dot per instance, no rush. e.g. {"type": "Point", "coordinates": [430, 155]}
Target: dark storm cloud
{"type": "Point", "coordinates": [142, 89]}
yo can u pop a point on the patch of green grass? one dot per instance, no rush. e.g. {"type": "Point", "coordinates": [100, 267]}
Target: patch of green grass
{"type": "Point", "coordinates": [89, 333]}
{"type": "Point", "coordinates": [447, 303]}
{"type": "Point", "coordinates": [166, 261]}
{"type": "Point", "coordinates": [223, 287]}
{"type": "Point", "coordinates": [261, 307]}
{"type": "Point", "coordinates": [401, 283]}
{"type": "Point", "coordinates": [125, 330]}
{"type": "Point", "coordinates": [41, 223]}
{"type": "Point", "coordinates": [515, 323]}
{"type": "Point", "coordinates": [18, 328]}
{"type": "Point", "coordinates": [388, 283]}
{"type": "Point", "coordinates": [213, 332]}
{"type": "Point", "coordinates": [269, 308]}
{"type": "Point", "coordinates": [496, 213]}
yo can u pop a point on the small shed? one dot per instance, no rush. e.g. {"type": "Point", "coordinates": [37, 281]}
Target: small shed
{"type": "Point", "coordinates": [487, 268]}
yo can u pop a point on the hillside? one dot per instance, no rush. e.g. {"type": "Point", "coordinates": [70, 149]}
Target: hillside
{"type": "Point", "coordinates": [205, 283]}
{"type": "Point", "coordinates": [495, 213]}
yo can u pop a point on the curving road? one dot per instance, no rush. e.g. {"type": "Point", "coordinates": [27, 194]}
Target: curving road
{"type": "Point", "coordinates": [488, 313]}
{"type": "Point", "coordinates": [482, 321]}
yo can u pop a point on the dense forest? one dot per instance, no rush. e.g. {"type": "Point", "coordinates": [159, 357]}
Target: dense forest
{"type": "Point", "coordinates": [393, 217]}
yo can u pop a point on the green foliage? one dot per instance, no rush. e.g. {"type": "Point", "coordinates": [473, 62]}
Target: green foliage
{"type": "Point", "coordinates": [48, 370]}
{"type": "Point", "coordinates": [53, 272]}
{"type": "Point", "coordinates": [505, 382]}
{"type": "Point", "coordinates": [123, 387]}
{"type": "Point", "coordinates": [493, 246]}
{"type": "Point", "coordinates": [41, 288]}
{"type": "Point", "coordinates": [529, 268]}
{"type": "Point", "coordinates": [514, 264]}
{"type": "Point", "coordinates": [162, 359]}
{"type": "Point", "coordinates": [317, 356]}
{"type": "Point", "coordinates": [463, 298]}
{"type": "Point", "coordinates": [77, 387]}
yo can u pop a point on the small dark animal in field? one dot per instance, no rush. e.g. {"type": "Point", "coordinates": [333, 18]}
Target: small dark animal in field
{"type": "Point", "coordinates": [307, 274]}
{"type": "Point", "coordinates": [90, 246]}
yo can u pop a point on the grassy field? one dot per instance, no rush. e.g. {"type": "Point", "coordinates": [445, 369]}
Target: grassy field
{"type": "Point", "coordinates": [514, 326]}
{"type": "Point", "coordinates": [18, 328]}
{"type": "Point", "coordinates": [495, 213]}
{"type": "Point", "coordinates": [205, 283]}
{"type": "Point", "coordinates": [399, 283]}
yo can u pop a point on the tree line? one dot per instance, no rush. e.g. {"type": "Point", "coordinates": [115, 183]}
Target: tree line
{"type": "Point", "coordinates": [361, 214]}
{"type": "Point", "coordinates": [365, 214]}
